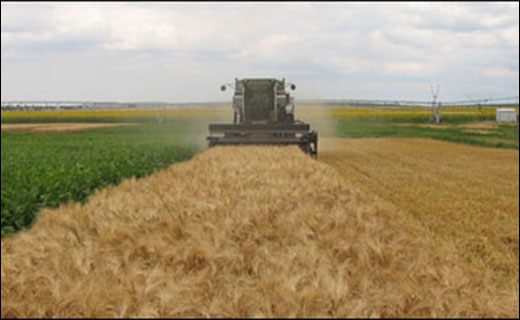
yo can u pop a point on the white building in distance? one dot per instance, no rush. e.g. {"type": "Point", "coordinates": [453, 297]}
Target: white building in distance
{"type": "Point", "coordinates": [506, 115]}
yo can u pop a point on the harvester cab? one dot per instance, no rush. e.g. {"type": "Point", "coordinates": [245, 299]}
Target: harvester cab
{"type": "Point", "coordinates": [263, 113]}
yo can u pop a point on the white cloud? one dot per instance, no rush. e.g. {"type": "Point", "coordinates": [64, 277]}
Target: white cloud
{"type": "Point", "coordinates": [407, 68]}
{"type": "Point", "coordinates": [334, 46]}
{"type": "Point", "coordinates": [500, 72]}
{"type": "Point", "coordinates": [269, 47]}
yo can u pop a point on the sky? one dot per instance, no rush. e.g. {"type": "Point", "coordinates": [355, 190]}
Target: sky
{"type": "Point", "coordinates": [183, 52]}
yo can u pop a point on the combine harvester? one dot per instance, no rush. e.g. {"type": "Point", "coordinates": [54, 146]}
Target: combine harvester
{"type": "Point", "coordinates": [263, 114]}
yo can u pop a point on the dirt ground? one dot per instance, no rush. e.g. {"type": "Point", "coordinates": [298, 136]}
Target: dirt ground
{"type": "Point", "coordinates": [486, 125]}
{"type": "Point", "coordinates": [477, 127]}
{"type": "Point", "coordinates": [440, 126]}
{"type": "Point", "coordinates": [59, 127]}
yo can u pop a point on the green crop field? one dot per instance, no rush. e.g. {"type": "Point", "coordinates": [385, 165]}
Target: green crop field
{"type": "Point", "coordinates": [47, 169]}
{"type": "Point", "coordinates": [498, 136]}
{"type": "Point", "coordinates": [460, 125]}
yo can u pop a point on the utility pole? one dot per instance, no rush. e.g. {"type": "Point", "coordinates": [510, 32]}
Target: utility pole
{"type": "Point", "coordinates": [436, 106]}
{"type": "Point", "coordinates": [160, 114]}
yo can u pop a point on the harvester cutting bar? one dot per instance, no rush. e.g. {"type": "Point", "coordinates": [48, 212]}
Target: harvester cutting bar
{"type": "Point", "coordinates": [256, 140]}
{"type": "Point", "coordinates": [260, 128]}
{"type": "Point", "coordinates": [266, 134]}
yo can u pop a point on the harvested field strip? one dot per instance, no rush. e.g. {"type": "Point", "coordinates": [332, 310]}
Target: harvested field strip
{"type": "Point", "coordinates": [461, 194]}
{"type": "Point", "coordinates": [238, 232]}
{"type": "Point", "coordinates": [59, 127]}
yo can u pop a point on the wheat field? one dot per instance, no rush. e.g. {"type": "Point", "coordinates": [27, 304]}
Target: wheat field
{"type": "Point", "coordinates": [461, 194]}
{"type": "Point", "coordinates": [240, 232]}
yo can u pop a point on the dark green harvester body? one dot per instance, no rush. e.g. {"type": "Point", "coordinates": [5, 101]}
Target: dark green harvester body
{"type": "Point", "coordinates": [263, 114]}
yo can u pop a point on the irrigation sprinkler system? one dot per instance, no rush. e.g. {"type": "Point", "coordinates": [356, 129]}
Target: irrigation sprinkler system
{"type": "Point", "coordinates": [436, 106]}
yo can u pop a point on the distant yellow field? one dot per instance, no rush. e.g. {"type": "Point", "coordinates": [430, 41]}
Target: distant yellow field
{"type": "Point", "coordinates": [121, 113]}
{"type": "Point", "coordinates": [409, 112]}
